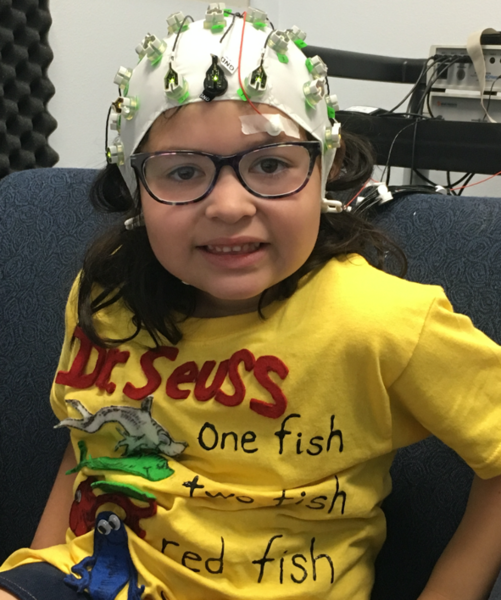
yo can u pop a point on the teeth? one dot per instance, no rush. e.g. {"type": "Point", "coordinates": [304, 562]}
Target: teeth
{"type": "Point", "coordinates": [227, 249]}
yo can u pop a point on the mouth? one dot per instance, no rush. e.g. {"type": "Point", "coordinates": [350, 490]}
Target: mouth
{"type": "Point", "coordinates": [248, 248]}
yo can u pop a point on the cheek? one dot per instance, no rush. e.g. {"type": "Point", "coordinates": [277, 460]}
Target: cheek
{"type": "Point", "coordinates": [308, 218]}
{"type": "Point", "coordinates": [307, 221]}
{"type": "Point", "coordinates": [298, 231]}
{"type": "Point", "coordinates": [310, 225]}
{"type": "Point", "coordinates": [161, 228]}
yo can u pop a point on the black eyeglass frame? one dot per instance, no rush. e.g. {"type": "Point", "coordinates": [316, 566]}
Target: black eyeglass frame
{"type": "Point", "coordinates": [138, 162]}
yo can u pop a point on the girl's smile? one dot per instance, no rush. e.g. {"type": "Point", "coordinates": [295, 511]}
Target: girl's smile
{"type": "Point", "coordinates": [232, 245]}
{"type": "Point", "coordinates": [233, 252]}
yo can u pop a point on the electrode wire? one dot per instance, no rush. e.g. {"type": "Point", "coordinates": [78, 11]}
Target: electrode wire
{"type": "Point", "coordinates": [478, 182]}
{"type": "Point", "coordinates": [467, 181]}
{"type": "Point", "coordinates": [180, 31]}
{"type": "Point", "coordinates": [490, 96]}
{"type": "Point", "coordinates": [424, 70]}
{"type": "Point", "coordinates": [434, 78]}
{"type": "Point", "coordinates": [234, 15]}
{"type": "Point", "coordinates": [450, 185]}
{"type": "Point", "coordinates": [107, 129]}
{"type": "Point", "coordinates": [358, 193]}
{"type": "Point", "coordinates": [391, 150]}
{"type": "Point", "coordinates": [242, 87]}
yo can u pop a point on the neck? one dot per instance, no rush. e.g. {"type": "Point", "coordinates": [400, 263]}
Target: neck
{"type": "Point", "coordinates": [209, 307]}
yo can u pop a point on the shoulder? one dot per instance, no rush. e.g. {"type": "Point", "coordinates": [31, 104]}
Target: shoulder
{"type": "Point", "coordinates": [368, 313]}
{"type": "Point", "coordinates": [352, 287]}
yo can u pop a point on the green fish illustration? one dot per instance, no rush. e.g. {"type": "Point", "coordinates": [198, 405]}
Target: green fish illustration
{"type": "Point", "coordinates": [148, 466]}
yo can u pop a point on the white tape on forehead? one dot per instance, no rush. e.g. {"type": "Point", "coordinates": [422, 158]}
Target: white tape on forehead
{"type": "Point", "coordinates": [270, 123]}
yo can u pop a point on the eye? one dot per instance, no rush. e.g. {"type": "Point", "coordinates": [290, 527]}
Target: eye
{"type": "Point", "coordinates": [115, 522]}
{"type": "Point", "coordinates": [269, 165]}
{"type": "Point", "coordinates": [185, 173]}
{"type": "Point", "coordinates": [78, 496]}
{"type": "Point", "coordinates": [104, 527]}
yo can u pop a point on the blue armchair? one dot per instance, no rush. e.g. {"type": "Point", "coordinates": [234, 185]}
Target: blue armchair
{"type": "Point", "coordinates": [45, 225]}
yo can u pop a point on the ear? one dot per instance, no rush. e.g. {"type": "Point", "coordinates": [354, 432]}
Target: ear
{"type": "Point", "coordinates": [338, 161]}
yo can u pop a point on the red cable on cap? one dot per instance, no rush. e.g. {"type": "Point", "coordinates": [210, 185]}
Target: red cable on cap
{"type": "Point", "coordinates": [239, 69]}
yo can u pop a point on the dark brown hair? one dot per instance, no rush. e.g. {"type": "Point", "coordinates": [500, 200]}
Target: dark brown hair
{"type": "Point", "coordinates": [120, 265]}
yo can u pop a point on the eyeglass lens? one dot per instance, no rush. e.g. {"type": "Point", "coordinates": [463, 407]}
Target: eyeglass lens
{"type": "Point", "coordinates": [181, 177]}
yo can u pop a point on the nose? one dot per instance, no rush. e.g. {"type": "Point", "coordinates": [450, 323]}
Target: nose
{"type": "Point", "coordinates": [229, 201]}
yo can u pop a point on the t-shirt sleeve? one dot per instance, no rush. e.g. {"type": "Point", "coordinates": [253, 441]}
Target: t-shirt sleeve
{"type": "Point", "coordinates": [452, 387]}
{"type": "Point", "coordinates": [57, 400]}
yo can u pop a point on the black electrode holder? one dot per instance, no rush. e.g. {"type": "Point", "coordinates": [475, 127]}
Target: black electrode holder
{"type": "Point", "coordinates": [215, 82]}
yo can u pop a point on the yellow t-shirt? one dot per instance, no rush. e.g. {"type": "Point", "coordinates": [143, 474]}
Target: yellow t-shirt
{"type": "Point", "coordinates": [250, 460]}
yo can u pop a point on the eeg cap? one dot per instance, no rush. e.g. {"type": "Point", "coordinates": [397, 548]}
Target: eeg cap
{"type": "Point", "coordinates": [206, 61]}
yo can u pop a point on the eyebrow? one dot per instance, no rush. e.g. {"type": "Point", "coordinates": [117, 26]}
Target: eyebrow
{"type": "Point", "coordinates": [270, 140]}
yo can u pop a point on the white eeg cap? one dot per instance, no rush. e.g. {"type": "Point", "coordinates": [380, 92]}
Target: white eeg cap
{"type": "Point", "coordinates": [291, 80]}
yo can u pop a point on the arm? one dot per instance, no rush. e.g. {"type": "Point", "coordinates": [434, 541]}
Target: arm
{"type": "Point", "coordinates": [54, 522]}
{"type": "Point", "coordinates": [472, 560]}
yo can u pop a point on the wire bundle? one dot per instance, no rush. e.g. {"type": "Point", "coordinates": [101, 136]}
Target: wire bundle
{"type": "Point", "coordinates": [440, 64]}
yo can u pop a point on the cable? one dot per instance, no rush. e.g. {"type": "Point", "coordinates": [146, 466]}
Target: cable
{"type": "Point", "coordinates": [490, 96]}
{"type": "Point", "coordinates": [413, 150]}
{"type": "Point", "coordinates": [424, 70]}
{"type": "Point", "coordinates": [234, 15]}
{"type": "Point", "coordinates": [467, 181]}
{"type": "Point", "coordinates": [242, 87]}
{"type": "Point", "coordinates": [388, 175]}
{"type": "Point", "coordinates": [467, 177]}
{"type": "Point", "coordinates": [434, 78]}
{"type": "Point", "coordinates": [450, 186]}
{"type": "Point", "coordinates": [461, 179]}
{"type": "Point", "coordinates": [358, 193]}
{"type": "Point", "coordinates": [438, 59]}
{"type": "Point", "coordinates": [428, 106]}
{"type": "Point", "coordinates": [417, 117]}
{"type": "Point", "coordinates": [437, 75]}
{"type": "Point", "coordinates": [391, 150]}
{"type": "Point", "coordinates": [373, 198]}
{"type": "Point", "coordinates": [478, 182]}
{"type": "Point", "coordinates": [107, 129]}
{"type": "Point", "coordinates": [180, 30]}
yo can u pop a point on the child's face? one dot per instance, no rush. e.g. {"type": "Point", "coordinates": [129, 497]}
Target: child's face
{"type": "Point", "coordinates": [270, 239]}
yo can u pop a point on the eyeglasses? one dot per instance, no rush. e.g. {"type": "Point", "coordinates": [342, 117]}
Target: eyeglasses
{"type": "Point", "coordinates": [182, 177]}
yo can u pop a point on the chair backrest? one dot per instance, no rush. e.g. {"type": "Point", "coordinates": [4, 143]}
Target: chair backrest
{"type": "Point", "coordinates": [454, 242]}
{"type": "Point", "coordinates": [45, 225]}
{"type": "Point", "coordinates": [46, 222]}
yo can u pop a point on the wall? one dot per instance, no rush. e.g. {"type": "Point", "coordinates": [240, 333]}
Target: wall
{"type": "Point", "coordinates": [92, 38]}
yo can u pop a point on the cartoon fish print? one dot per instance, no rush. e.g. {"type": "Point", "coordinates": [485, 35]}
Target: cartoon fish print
{"type": "Point", "coordinates": [140, 432]}
{"type": "Point", "coordinates": [149, 466]}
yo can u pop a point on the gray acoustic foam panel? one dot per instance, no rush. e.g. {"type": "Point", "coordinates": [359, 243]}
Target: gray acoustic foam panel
{"type": "Point", "coordinates": [25, 89]}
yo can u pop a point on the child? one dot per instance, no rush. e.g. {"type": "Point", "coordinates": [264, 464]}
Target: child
{"type": "Point", "coordinates": [235, 376]}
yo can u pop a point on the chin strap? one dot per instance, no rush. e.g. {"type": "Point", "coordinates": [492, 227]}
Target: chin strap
{"type": "Point", "coordinates": [134, 222]}
{"type": "Point", "coordinates": [331, 206]}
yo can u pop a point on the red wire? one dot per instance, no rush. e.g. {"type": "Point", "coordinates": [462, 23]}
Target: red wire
{"type": "Point", "coordinates": [239, 69]}
{"type": "Point", "coordinates": [472, 184]}
{"type": "Point", "coordinates": [358, 193]}
{"type": "Point", "coordinates": [454, 188]}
